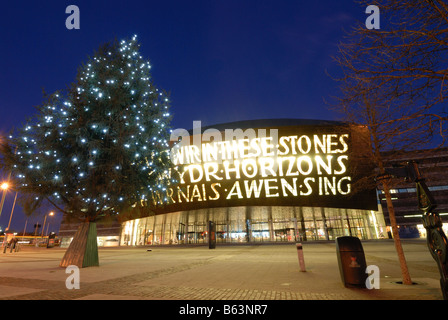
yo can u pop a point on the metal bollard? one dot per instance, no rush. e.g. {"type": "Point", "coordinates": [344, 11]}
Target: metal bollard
{"type": "Point", "coordinates": [301, 259]}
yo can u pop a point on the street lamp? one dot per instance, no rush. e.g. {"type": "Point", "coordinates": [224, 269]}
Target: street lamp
{"type": "Point", "coordinates": [43, 227]}
{"type": "Point", "coordinates": [4, 186]}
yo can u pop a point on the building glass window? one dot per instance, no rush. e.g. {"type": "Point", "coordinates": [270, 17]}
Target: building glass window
{"type": "Point", "coordinates": [253, 225]}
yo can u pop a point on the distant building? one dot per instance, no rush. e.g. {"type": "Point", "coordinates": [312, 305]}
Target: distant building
{"type": "Point", "coordinates": [291, 203]}
{"type": "Point", "coordinates": [278, 180]}
{"type": "Point", "coordinates": [433, 165]}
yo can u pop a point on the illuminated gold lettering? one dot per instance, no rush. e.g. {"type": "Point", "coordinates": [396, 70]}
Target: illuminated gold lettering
{"type": "Point", "coordinates": [253, 188]}
{"type": "Point", "coordinates": [194, 154]}
{"type": "Point", "coordinates": [321, 164]}
{"type": "Point", "coordinates": [343, 142]}
{"type": "Point", "coordinates": [196, 193]}
{"type": "Point", "coordinates": [255, 163]}
{"type": "Point", "coordinates": [195, 168]}
{"type": "Point", "coordinates": [244, 148]}
{"type": "Point", "coordinates": [342, 165]}
{"type": "Point", "coordinates": [178, 155]}
{"type": "Point", "coordinates": [267, 164]}
{"type": "Point", "coordinates": [235, 169]}
{"type": "Point", "coordinates": [300, 144]}
{"type": "Point", "coordinates": [153, 199]}
{"type": "Point", "coordinates": [329, 186]}
{"type": "Point", "coordinates": [292, 161]}
{"type": "Point", "coordinates": [249, 168]}
{"type": "Point", "coordinates": [204, 194]}
{"type": "Point", "coordinates": [181, 175]}
{"type": "Point", "coordinates": [169, 193]}
{"type": "Point", "coordinates": [158, 197]}
{"type": "Point", "coordinates": [293, 144]}
{"type": "Point", "coordinates": [268, 188]}
{"type": "Point", "coordinates": [302, 159]}
{"type": "Point", "coordinates": [240, 135]}
{"type": "Point", "coordinates": [292, 188]}
{"type": "Point", "coordinates": [266, 146]}
{"type": "Point", "coordinates": [319, 144]}
{"type": "Point", "coordinates": [280, 166]}
{"type": "Point", "coordinates": [254, 144]}
{"type": "Point", "coordinates": [237, 192]}
{"type": "Point", "coordinates": [284, 145]}
{"type": "Point", "coordinates": [320, 186]}
{"type": "Point", "coordinates": [210, 152]}
{"type": "Point", "coordinates": [181, 193]}
{"type": "Point", "coordinates": [348, 187]}
{"type": "Point", "coordinates": [308, 187]}
{"type": "Point", "coordinates": [213, 185]}
{"type": "Point", "coordinates": [235, 150]}
{"type": "Point", "coordinates": [331, 143]}
{"type": "Point", "coordinates": [214, 169]}
{"type": "Point", "coordinates": [225, 152]}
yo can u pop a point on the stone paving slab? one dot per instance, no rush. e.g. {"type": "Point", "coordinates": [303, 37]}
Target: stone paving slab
{"type": "Point", "coordinates": [238, 273]}
{"type": "Point", "coordinates": [100, 296]}
{"type": "Point", "coordinates": [10, 291]}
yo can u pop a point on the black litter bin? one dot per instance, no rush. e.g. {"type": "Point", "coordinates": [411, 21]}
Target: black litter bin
{"type": "Point", "coordinates": [352, 262]}
{"type": "Point", "coordinates": [51, 239]}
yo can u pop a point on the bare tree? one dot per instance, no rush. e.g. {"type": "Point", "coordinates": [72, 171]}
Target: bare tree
{"type": "Point", "coordinates": [406, 60]}
{"type": "Point", "coordinates": [394, 82]}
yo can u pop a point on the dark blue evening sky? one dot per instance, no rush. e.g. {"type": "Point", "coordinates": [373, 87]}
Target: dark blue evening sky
{"type": "Point", "coordinates": [221, 60]}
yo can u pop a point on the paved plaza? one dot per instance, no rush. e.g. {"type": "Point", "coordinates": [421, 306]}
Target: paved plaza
{"type": "Point", "coordinates": [229, 272]}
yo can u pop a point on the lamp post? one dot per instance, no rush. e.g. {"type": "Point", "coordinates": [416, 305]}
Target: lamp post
{"type": "Point", "coordinates": [12, 211]}
{"type": "Point", "coordinates": [48, 228]}
{"type": "Point", "coordinates": [24, 229]}
{"type": "Point", "coordinates": [43, 227]}
{"type": "Point", "coordinates": [4, 186]}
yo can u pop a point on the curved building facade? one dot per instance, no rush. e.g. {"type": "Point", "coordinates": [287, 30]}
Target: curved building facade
{"type": "Point", "coordinates": [264, 181]}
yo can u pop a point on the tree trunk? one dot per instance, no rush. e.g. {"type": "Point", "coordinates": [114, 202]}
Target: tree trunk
{"type": "Point", "coordinates": [390, 207]}
{"type": "Point", "coordinates": [393, 223]}
{"type": "Point", "coordinates": [83, 250]}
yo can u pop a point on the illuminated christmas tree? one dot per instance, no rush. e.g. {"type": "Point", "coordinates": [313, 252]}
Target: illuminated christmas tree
{"type": "Point", "coordinates": [98, 149]}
